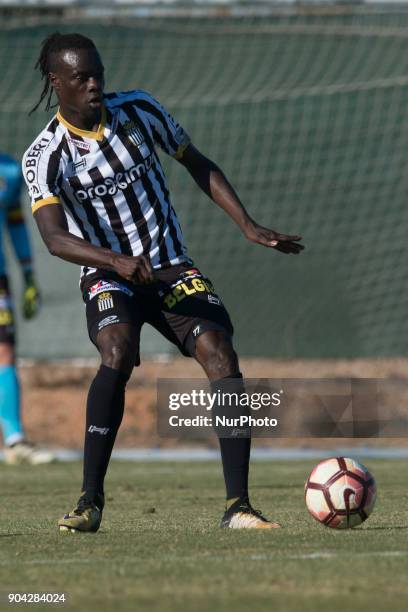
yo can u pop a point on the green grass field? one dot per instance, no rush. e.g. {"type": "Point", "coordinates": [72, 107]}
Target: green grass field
{"type": "Point", "coordinates": [159, 547]}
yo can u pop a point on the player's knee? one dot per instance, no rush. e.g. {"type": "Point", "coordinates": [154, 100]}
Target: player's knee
{"type": "Point", "coordinates": [117, 351]}
{"type": "Point", "coordinates": [214, 351]}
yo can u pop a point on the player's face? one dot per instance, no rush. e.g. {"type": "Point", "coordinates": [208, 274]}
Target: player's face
{"type": "Point", "coordinates": [78, 82]}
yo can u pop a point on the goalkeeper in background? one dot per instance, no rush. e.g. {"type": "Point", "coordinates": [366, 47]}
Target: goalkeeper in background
{"type": "Point", "coordinates": [17, 449]}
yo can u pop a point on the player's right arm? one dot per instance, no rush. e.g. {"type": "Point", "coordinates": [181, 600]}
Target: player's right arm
{"type": "Point", "coordinates": [53, 227]}
{"type": "Point", "coordinates": [42, 167]}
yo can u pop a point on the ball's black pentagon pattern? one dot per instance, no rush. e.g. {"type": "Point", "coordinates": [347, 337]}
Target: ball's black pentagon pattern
{"type": "Point", "coordinates": [325, 489]}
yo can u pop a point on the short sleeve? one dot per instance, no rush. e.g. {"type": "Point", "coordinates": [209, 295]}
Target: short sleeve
{"type": "Point", "coordinates": [167, 133]}
{"type": "Point", "coordinates": [41, 168]}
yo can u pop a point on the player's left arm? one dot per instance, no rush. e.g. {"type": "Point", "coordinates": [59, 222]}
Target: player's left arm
{"type": "Point", "coordinates": [20, 240]}
{"type": "Point", "coordinates": [210, 178]}
{"type": "Point", "coordinates": [174, 140]}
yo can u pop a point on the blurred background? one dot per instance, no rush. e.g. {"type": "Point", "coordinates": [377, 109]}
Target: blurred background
{"type": "Point", "coordinates": [303, 105]}
{"type": "Point", "coordinates": [304, 108]}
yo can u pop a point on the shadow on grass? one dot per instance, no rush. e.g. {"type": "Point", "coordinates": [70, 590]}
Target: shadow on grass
{"type": "Point", "coordinates": [383, 528]}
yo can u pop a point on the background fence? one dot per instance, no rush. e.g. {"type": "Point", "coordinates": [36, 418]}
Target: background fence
{"type": "Point", "coordinates": [305, 109]}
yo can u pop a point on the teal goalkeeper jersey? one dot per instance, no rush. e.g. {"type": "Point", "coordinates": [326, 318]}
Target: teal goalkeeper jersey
{"type": "Point", "coordinates": [11, 217]}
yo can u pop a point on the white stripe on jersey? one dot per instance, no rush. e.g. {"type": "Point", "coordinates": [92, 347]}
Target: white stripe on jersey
{"type": "Point", "coordinates": [159, 196]}
{"type": "Point", "coordinates": [111, 183]}
{"type": "Point", "coordinates": [172, 211]}
{"type": "Point", "coordinates": [148, 210]}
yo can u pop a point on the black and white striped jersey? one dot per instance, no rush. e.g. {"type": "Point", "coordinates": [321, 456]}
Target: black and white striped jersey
{"type": "Point", "coordinates": [111, 183]}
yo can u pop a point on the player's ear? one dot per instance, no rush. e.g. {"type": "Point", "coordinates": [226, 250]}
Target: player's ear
{"type": "Point", "coordinates": [54, 80]}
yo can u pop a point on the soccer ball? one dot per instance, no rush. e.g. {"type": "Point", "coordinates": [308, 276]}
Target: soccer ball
{"type": "Point", "coordinates": [340, 493]}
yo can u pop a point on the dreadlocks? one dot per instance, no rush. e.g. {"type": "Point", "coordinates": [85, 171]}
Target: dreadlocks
{"type": "Point", "coordinates": [53, 44]}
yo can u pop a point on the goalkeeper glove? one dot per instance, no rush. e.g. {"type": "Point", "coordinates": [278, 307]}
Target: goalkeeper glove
{"type": "Point", "coordinates": [31, 297]}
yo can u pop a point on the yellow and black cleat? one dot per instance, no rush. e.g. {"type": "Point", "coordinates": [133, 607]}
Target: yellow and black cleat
{"type": "Point", "coordinates": [241, 515]}
{"type": "Point", "coordinates": [86, 517]}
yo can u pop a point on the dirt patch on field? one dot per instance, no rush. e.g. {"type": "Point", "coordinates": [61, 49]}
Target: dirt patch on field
{"type": "Point", "coordinates": [54, 397]}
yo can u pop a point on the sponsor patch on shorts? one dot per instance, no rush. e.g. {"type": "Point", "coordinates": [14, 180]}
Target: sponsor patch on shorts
{"type": "Point", "coordinates": [191, 282]}
{"type": "Point", "coordinates": [102, 286]}
{"type": "Point", "coordinates": [108, 321]}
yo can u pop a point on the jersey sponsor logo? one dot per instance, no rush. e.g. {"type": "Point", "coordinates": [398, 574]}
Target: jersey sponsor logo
{"type": "Point", "coordinates": [102, 286]}
{"type": "Point", "coordinates": [105, 301]}
{"type": "Point", "coordinates": [32, 160]}
{"type": "Point", "coordinates": [80, 144]}
{"type": "Point", "coordinates": [111, 185]}
{"type": "Point", "coordinates": [108, 321]}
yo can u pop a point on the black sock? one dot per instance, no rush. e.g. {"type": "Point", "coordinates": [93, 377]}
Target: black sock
{"type": "Point", "coordinates": [235, 451]}
{"type": "Point", "coordinates": [104, 413]}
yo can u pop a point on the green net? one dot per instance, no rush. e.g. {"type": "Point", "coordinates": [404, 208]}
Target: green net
{"type": "Point", "coordinates": [305, 111]}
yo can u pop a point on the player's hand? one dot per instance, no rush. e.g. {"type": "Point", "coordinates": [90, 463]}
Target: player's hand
{"type": "Point", "coordinates": [134, 269]}
{"type": "Point", "coordinates": [281, 242]}
{"type": "Point", "coordinates": [31, 297]}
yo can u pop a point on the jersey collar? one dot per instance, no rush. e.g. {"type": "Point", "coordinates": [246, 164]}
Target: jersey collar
{"type": "Point", "coordinates": [98, 135]}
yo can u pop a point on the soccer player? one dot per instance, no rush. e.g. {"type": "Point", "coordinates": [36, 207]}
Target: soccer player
{"type": "Point", "coordinates": [100, 199]}
{"type": "Point", "coordinates": [17, 449]}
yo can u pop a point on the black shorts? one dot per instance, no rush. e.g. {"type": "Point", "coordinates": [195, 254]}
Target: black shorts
{"type": "Point", "coordinates": [6, 312]}
{"type": "Point", "coordinates": [181, 304]}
